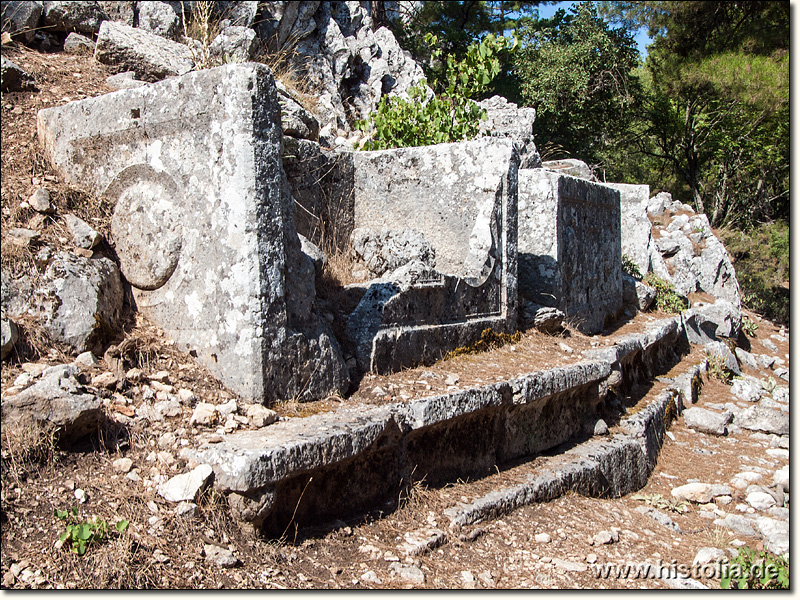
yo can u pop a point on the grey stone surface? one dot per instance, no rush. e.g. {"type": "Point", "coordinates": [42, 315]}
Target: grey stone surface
{"type": "Point", "coordinates": [775, 533]}
{"type": "Point", "coordinates": [235, 44]}
{"type": "Point", "coordinates": [186, 487]}
{"type": "Point", "coordinates": [746, 359]}
{"type": "Point", "coordinates": [546, 319]}
{"type": "Point", "coordinates": [220, 557]}
{"type": "Point", "coordinates": [78, 44]}
{"type": "Point", "coordinates": [296, 120]}
{"type": "Point", "coordinates": [462, 198]}
{"type": "Point", "coordinates": [376, 253]}
{"type": "Point", "coordinates": [160, 18]}
{"type": "Point", "coordinates": [757, 418]}
{"type": "Point", "coordinates": [21, 18]}
{"type": "Point", "coordinates": [719, 351]}
{"type": "Point", "coordinates": [660, 517]}
{"type": "Point", "coordinates": [570, 166]}
{"type": "Point", "coordinates": [658, 203]}
{"type": "Point", "coordinates": [13, 78]}
{"type": "Point", "coordinates": [504, 119]}
{"type": "Point", "coordinates": [8, 337]}
{"type": "Point", "coordinates": [635, 226]}
{"type": "Point", "coordinates": [202, 224]}
{"type": "Point", "coordinates": [747, 388]}
{"type": "Point", "coordinates": [40, 201]}
{"type": "Point", "coordinates": [421, 541]}
{"type": "Point", "coordinates": [637, 293]}
{"type": "Point", "coordinates": [81, 16]}
{"type": "Point", "coordinates": [150, 56]}
{"type": "Point", "coordinates": [120, 11]}
{"type": "Point", "coordinates": [569, 247]}
{"type": "Point", "coordinates": [78, 300]}
{"type": "Point", "coordinates": [705, 323]}
{"type": "Point", "coordinates": [56, 400]}
{"type": "Point", "coordinates": [124, 80]}
{"type": "Point", "coordinates": [737, 523]}
{"type": "Point", "coordinates": [83, 235]}
{"type": "Point", "coordinates": [707, 421]}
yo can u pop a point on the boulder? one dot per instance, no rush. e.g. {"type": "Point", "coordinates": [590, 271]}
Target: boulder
{"type": "Point", "coordinates": [121, 11]}
{"type": "Point", "coordinates": [377, 252]}
{"type": "Point", "coordinates": [705, 323]}
{"type": "Point", "coordinates": [78, 44]}
{"type": "Point", "coordinates": [720, 353]}
{"type": "Point", "coordinates": [123, 81]}
{"type": "Point", "coordinates": [699, 493]}
{"type": "Point", "coordinates": [746, 359]}
{"type": "Point", "coordinates": [235, 44]}
{"type": "Point", "coordinates": [56, 400]}
{"type": "Point", "coordinates": [13, 78]}
{"type": "Point", "coordinates": [160, 18]}
{"type": "Point", "coordinates": [83, 235]}
{"type": "Point", "coordinates": [769, 420]}
{"type": "Point", "coordinates": [775, 534]}
{"type": "Point", "coordinates": [747, 388]}
{"type": "Point", "coordinates": [659, 203]}
{"type": "Point", "coordinates": [706, 421]}
{"type": "Point", "coordinates": [21, 19]}
{"type": "Point", "coordinates": [150, 56]}
{"type": "Point", "coordinates": [80, 16]}
{"type": "Point", "coordinates": [40, 201]}
{"type": "Point", "coordinates": [546, 319]}
{"type": "Point", "coordinates": [636, 293]}
{"type": "Point", "coordinates": [79, 301]}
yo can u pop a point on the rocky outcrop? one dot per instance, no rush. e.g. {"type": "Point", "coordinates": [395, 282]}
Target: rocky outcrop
{"type": "Point", "coordinates": [505, 119]}
{"type": "Point", "coordinates": [13, 78]}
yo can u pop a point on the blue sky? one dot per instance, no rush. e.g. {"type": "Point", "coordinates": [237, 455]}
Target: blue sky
{"type": "Point", "coordinates": [548, 10]}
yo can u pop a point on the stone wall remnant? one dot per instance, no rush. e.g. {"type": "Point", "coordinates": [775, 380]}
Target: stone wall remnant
{"type": "Point", "coordinates": [461, 198]}
{"type": "Point", "coordinates": [570, 247]}
{"type": "Point", "coordinates": [203, 224]}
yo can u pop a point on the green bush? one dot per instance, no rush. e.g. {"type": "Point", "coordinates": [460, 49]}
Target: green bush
{"type": "Point", "coordinates": [667, 299]}
{"type": "Point", "coordinates": [450, 115]}
{"type": "Point", "coordinates": [752, 570]}
{"type": "Point", "coordinates": [761, 259]}
{"type": "Point", "coordinates": [631, 268]}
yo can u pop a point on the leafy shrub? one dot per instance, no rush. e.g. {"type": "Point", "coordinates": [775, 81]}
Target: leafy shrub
{"type": "Point", "coordinates": [450, 115]}
{"type": "Point", "coordinates": [631, 268]}
{"type": "Point", "coordinates": [752, 570]}
{"type": "Point", "coordinates": [667, 299]}
{"type": "Point", "coordinates": [761, 259]}
{"type": "Point", "coordinates": [749, 327]}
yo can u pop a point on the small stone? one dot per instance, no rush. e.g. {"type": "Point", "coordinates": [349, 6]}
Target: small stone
{"type": "Point", "coordinates": [603, 537]}
{"type": "Point", "coordinates": [158, 386]}
{"type": "Point", "coordinates": [133, 476]}
{"type": "Point", "coordinates": [699, 493]}
{"type": "Point", "coordinates": [260, 416]}
{"type": "Point", "coordinates": [542, 538]}
{"type": "Point", "coordinates": [83, 236]}
{"type": "Point", "coordinates": [80, 496]}
{"type": "Point", "coordinates": [105, 380]}
{"type": "Point", "coordinates": [122, 465]}
{"type": "Point", "coordinates": [20, 236]}
{"type": "Point", "coordinates": [187, 486]}
{"type": "Point", "coordinates": [371, 577]}
{"type": "Point", "coordinates": [186, 396]}
{"type": "Point", "coordinates": [40, 202]}
{"type": "Point", "coordinates": [468, 580]}
{"type": "Point", "coordinates": [708, 555]}
{"type": "Point", "coordinates": [600, 427]}
{"type": "Point", "coordinates": [760, 500]}
{"type": "Point", "coordinates": [228, 408]}
{"type": "Point", "coordinates": [185, 510]}
{"type": "Point", "coordinates": [591, 558]}
{"type": "Point", "coordinates": [452, 379]}
{"type": "Point", "coordinates": [566, 348]}
{"type": "Point", "coordinates": [409, 573]}
{"type": "Point", "coordinates": [85, 359]}
{"type": "Point", "coordinates": [204, 414]}
{"type": "Point", "coordinates": [221, 557]}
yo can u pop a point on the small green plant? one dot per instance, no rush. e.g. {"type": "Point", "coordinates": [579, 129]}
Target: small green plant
{"type": "Point", "coordinates": [489, 340]}
{"type": "Point", "coordinates": [667, 299]}
{"type": "Point", "coordinates": [79, 534]}
{"type": "Point", "coordinates": [717, 368]}
{"type": "Point", "coordinates": [752, 570]}
{"type": "Point", "coordinates": [450, 114]}
{"type": "Point", "coordinates": [658, 501]}
{"type": "Point", "coordinates": [749, 327]}
{"type": "Point", "coordinates": [631, 268]}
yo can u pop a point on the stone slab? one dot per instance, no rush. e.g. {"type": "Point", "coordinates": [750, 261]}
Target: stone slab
{"type": "Point", "coordinates": [203, 223]}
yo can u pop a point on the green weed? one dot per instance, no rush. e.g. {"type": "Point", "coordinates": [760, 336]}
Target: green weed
{"type": "Point", "coordinates": [80, 534]}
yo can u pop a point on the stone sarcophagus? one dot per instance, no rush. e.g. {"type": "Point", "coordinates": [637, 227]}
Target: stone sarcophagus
{"type": "Point", "coordinates": [569, 247]}
{"type": "Point", "coordinates": [202, 223]}
{"type": "Point", "coordinates": [461, 200]}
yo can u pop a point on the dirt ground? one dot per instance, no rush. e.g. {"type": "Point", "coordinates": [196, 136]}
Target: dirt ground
{"type": "Point", "coordinates": [162, 550]}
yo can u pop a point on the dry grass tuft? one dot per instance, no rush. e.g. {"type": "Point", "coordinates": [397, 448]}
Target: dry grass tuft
{"type": "Point", "coordinates": [27, 443]}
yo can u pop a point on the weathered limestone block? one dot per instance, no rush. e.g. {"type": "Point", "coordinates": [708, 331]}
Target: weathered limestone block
{"type": "Point", "coordinates": [570, 166]}
{"type": "Point", "coordinates": [13, 78]}
{"type": "Point", "coordinates": [379, 252]}
{"type": "Point", "coordinates": [295, 119]}
{"type": "Point", "coordinates": [637, 293]}
{"type": "Point", "coordinates": [150, 56]}
{"type": "Point", "coordinates": [570, 246]}
{"type": "Point", "coordinates": [81, 17]}
{"type": "Point", "coordinates": [235, 44]}
{"type": "Point", "coordinates": [21, 18]}
{"type": "Point", "coordinates": [462, 198]}
{"type": "Point", "coordinates": [160, 18]}
{"type": "Point", "coordinates": [203, 223]}
{"type": "Point", "coordinates": [504, 119]}
{"type": "Point", "coordinates": [636, 238]}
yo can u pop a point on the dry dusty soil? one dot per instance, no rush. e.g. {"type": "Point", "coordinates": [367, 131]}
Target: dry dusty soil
{"type": "Point", "coordinates": [565, 543]}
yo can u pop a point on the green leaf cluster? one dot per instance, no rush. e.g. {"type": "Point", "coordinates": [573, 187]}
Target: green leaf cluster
{"type": "Point", "coordinates": [630, 267]}
{"type": "Point", "coordinates": [450, 114]}
{"type": "Point", "coordinates": [80, 534]}
{"type": "Point", "coordinates": [667, 299]}
{"type": "Point", "coordinates": [752, 570]}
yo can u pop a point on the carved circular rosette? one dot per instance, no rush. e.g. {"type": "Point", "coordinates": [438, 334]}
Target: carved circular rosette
{"type": "Point", "coordinates": [146, 227]}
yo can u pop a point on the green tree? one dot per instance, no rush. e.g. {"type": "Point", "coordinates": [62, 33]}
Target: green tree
{"type": "Point", "coordinates": [578, 72]}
